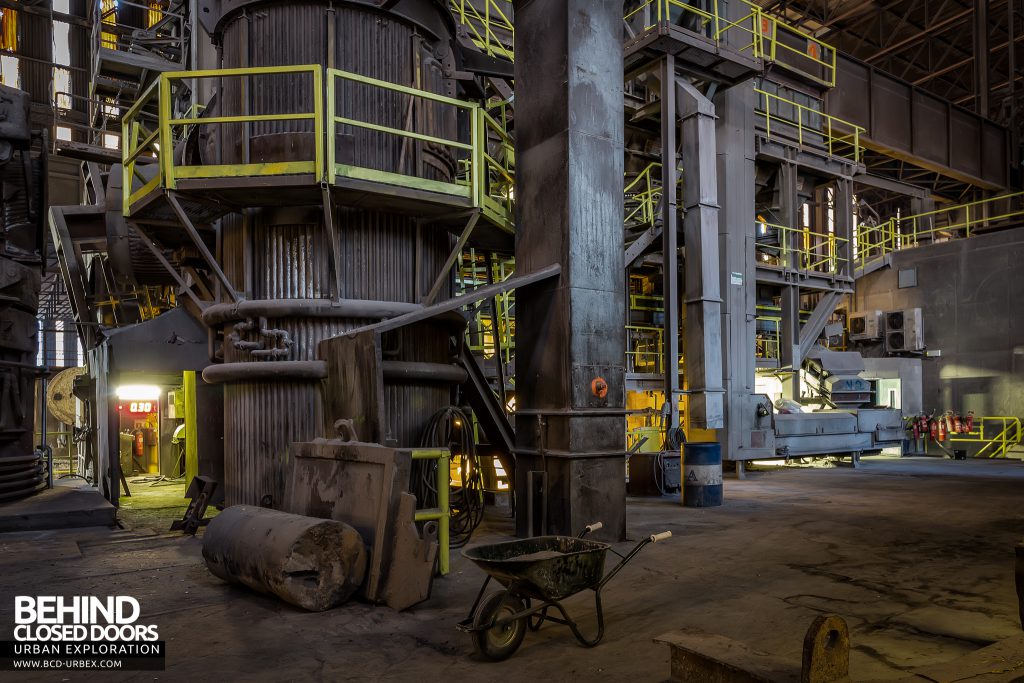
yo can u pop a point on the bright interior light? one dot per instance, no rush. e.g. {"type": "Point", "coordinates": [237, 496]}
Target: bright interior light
{"type": "Point", "coordinates": [138, 392]}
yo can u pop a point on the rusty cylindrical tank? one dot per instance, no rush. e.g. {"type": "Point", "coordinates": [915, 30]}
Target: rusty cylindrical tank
{"type": "Point", "coordinates": [283, 253]}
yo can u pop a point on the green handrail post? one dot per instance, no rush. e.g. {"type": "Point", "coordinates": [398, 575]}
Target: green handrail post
{"type": "Point", "coordinates": [166, 154]}
{"type": "Point", "coordinates": [476, 170]}
{"type": "Point", "coordinates": [332, 125]}
{"type": "Point", "coordinates": [442, 513]}
{"type": "Point", "coordinates": [129, 139]}
{"type": "Point", "coordinates": [318, 121]}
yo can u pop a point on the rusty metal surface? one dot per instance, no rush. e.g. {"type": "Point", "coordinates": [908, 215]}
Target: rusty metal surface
{"type": "Point", "coordinates": [315, 564]}
{"type": "Point", "coordinates": [570, 331]}
{"type": "Point", "coordinates": [709, 658]}
{"type": "Point", "coordinates": [1019, 574]}
{"type": "Point", "coordinates": [286, 266]}
{"type": "Point", "coordinates": [912, 124]}
{"type": "Point", "coordinates": [545, 567]}
{"type": "Point", "coordinates": [22, 211]}
{"type": "Point", "coordinates": [364, 485]}
{"type": "Point", "coordinates": [826, 655]}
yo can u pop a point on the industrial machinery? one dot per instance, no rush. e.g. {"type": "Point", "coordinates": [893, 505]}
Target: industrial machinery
{"type": "Point", "coordinates": [854, 426]}
{"type": "Point", "coordinates": [903, 331]}
{"type": "Point", "coordinates": [866, 326]}
{"type": "Point", "coordinates": [22, 206]}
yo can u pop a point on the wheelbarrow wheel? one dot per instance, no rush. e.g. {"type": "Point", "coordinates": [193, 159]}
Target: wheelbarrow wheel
{"type": "Point", "coordinates": [499, 642]}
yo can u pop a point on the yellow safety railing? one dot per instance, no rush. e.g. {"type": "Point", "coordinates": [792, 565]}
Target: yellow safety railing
{"type": "Point", "coordinates": [645, 349]}
{"type": "Point", "coordinates": [709, 22]}
{"type": "Point", "coordinates": [170, 126]}
{"type": "Point", "coordinates": [646, 302]}
{"type": "Point", "coordinates": [497, 156]}
{"type": "Point", "coordinates": [998, 434]}
{"type": "Point", "coordinates": [480, 338]}
{"type": "Point", "coordinates": [442, 513]}
{"type": "Point", "coordinates": [140, 141]}
{"type": "Point", "coordinates": [761, 35]}
{"type": "Point", "coordinates": [798, 248]}
{"type": "Point", "coordinates": [784, 118]}
{"type": "Point", "coordinates": [948, 223]}
{"type": "Point", "coordinates": [642, 195]}
{"type": "Point", "coordinates": [795, 50]}
{"type": "Point", "coordinates": [473, 150]}
{"type": "Point", "coordinates": [483, 163]}
{"type": "Point", "coordinates": [768, 340]}
{"type": "Point", "coordinates": [484, 20]}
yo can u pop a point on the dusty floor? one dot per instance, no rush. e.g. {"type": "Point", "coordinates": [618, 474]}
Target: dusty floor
{"type": "Point", "coordinates": [917, 554]}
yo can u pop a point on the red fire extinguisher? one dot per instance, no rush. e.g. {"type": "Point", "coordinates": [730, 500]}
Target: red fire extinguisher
{"type": "Point", "coordinates": [915, 427]}
{"type": "Point", "coordinates": [942, 429]}
{"type": "Point", "coordinates": [958, 424]}
{"type": "Point", "coordinates": [140, 443]}
{"type": "Point", "coordinates": [969, 422]}
{"type": "Point", "coordinates": [934, 429]}
{"type": "Point", "coordinates": [949, 422]}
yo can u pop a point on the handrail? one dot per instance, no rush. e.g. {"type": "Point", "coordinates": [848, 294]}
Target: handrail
{"type": "Point", "coordinates": [644, 191]}
{"type": "Point", "coordinates": [496, 192]}
{"type": "Point", "coordinates": [134, 147]}
{"type": "Point", "coordinates": [172, 172]}
{"type": "Point", "coordinates": [904, 232]}
{"type": "Point", "coordinates": [481, 27]}
{"type": "Point", "coordinates": [645, 345]}
{"type": "Point", "coordinates": [816, 251]}
{"type": "Point", "coordinates": [483, 162]}
{"type": "Point", "coordinates": [1009, 434]}
{"type": "Point", "coordinates": [816, 54]}
{"type": "Point", "coordinates": [474, 147]}
{"type": "Point", "coordinates": [768, 38]}
{"type": "Point", "coordinates": [769, 345]}
{"type": "Point", "coordinates": [839, 137]}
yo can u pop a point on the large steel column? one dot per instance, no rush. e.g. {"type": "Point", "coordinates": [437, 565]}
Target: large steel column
{"type": "Point", "coordinates": [703, 336]}
{"type": "Point", "coordinates": [670, 240]}
{"type": "Point", "coordinates": [842, 212]}
{"type": "Point", "coordinates": [789, 343]}
{"type": "Point", "coordinates": [735, 154]}
{"type": "Point", "coordinates": [981, 72]}
{"type": "Point", "coordinates": [570, 336]}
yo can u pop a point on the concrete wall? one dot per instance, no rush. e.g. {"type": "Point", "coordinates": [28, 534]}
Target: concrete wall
{"type": "Point", "coordinates": [971, 295]}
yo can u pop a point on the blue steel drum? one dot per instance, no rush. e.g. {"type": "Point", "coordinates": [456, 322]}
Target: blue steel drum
{"type": "Point", "coordinates": [702, 475]}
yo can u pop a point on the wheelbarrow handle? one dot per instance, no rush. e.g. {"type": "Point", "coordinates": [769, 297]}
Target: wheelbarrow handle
{"type": "Point", "coordinates": [590, 528]}
{"type": "Point", "coordinates": [653, 538]}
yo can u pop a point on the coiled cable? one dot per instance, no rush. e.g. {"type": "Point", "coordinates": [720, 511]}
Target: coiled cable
{"type": "Point", "coordinates": [450, 428]}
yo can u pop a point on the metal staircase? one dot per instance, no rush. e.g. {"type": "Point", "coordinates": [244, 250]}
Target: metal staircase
{"type": "Point", "coordinates": [132, 43]}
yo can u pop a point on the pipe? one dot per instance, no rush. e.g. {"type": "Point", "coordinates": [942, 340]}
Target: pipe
{"type": "Point", "coordinates": [269, 371]}
{"type": "Point", "coordinates": [305, 308]}
{"type": "Point", "coordinates": [409, 371]}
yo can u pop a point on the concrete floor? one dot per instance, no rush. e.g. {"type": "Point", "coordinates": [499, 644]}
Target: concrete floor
{"type": "Point", "coordinates": [916, 554]}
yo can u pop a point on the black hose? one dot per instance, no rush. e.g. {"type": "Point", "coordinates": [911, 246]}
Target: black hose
{"type": "Point", "coordinates": [450, 428]}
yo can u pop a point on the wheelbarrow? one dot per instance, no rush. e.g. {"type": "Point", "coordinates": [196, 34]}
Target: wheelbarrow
{"type": "Point", "coordinates": [538, 573]}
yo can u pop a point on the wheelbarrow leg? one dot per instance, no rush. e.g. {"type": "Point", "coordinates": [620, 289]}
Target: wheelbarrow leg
{"type": "Point", "coordinates": [476, 603]}
{"type": "Point", "coordinates": [568, 621]}
{"type": "Point", "coordinates": [537, 620]}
